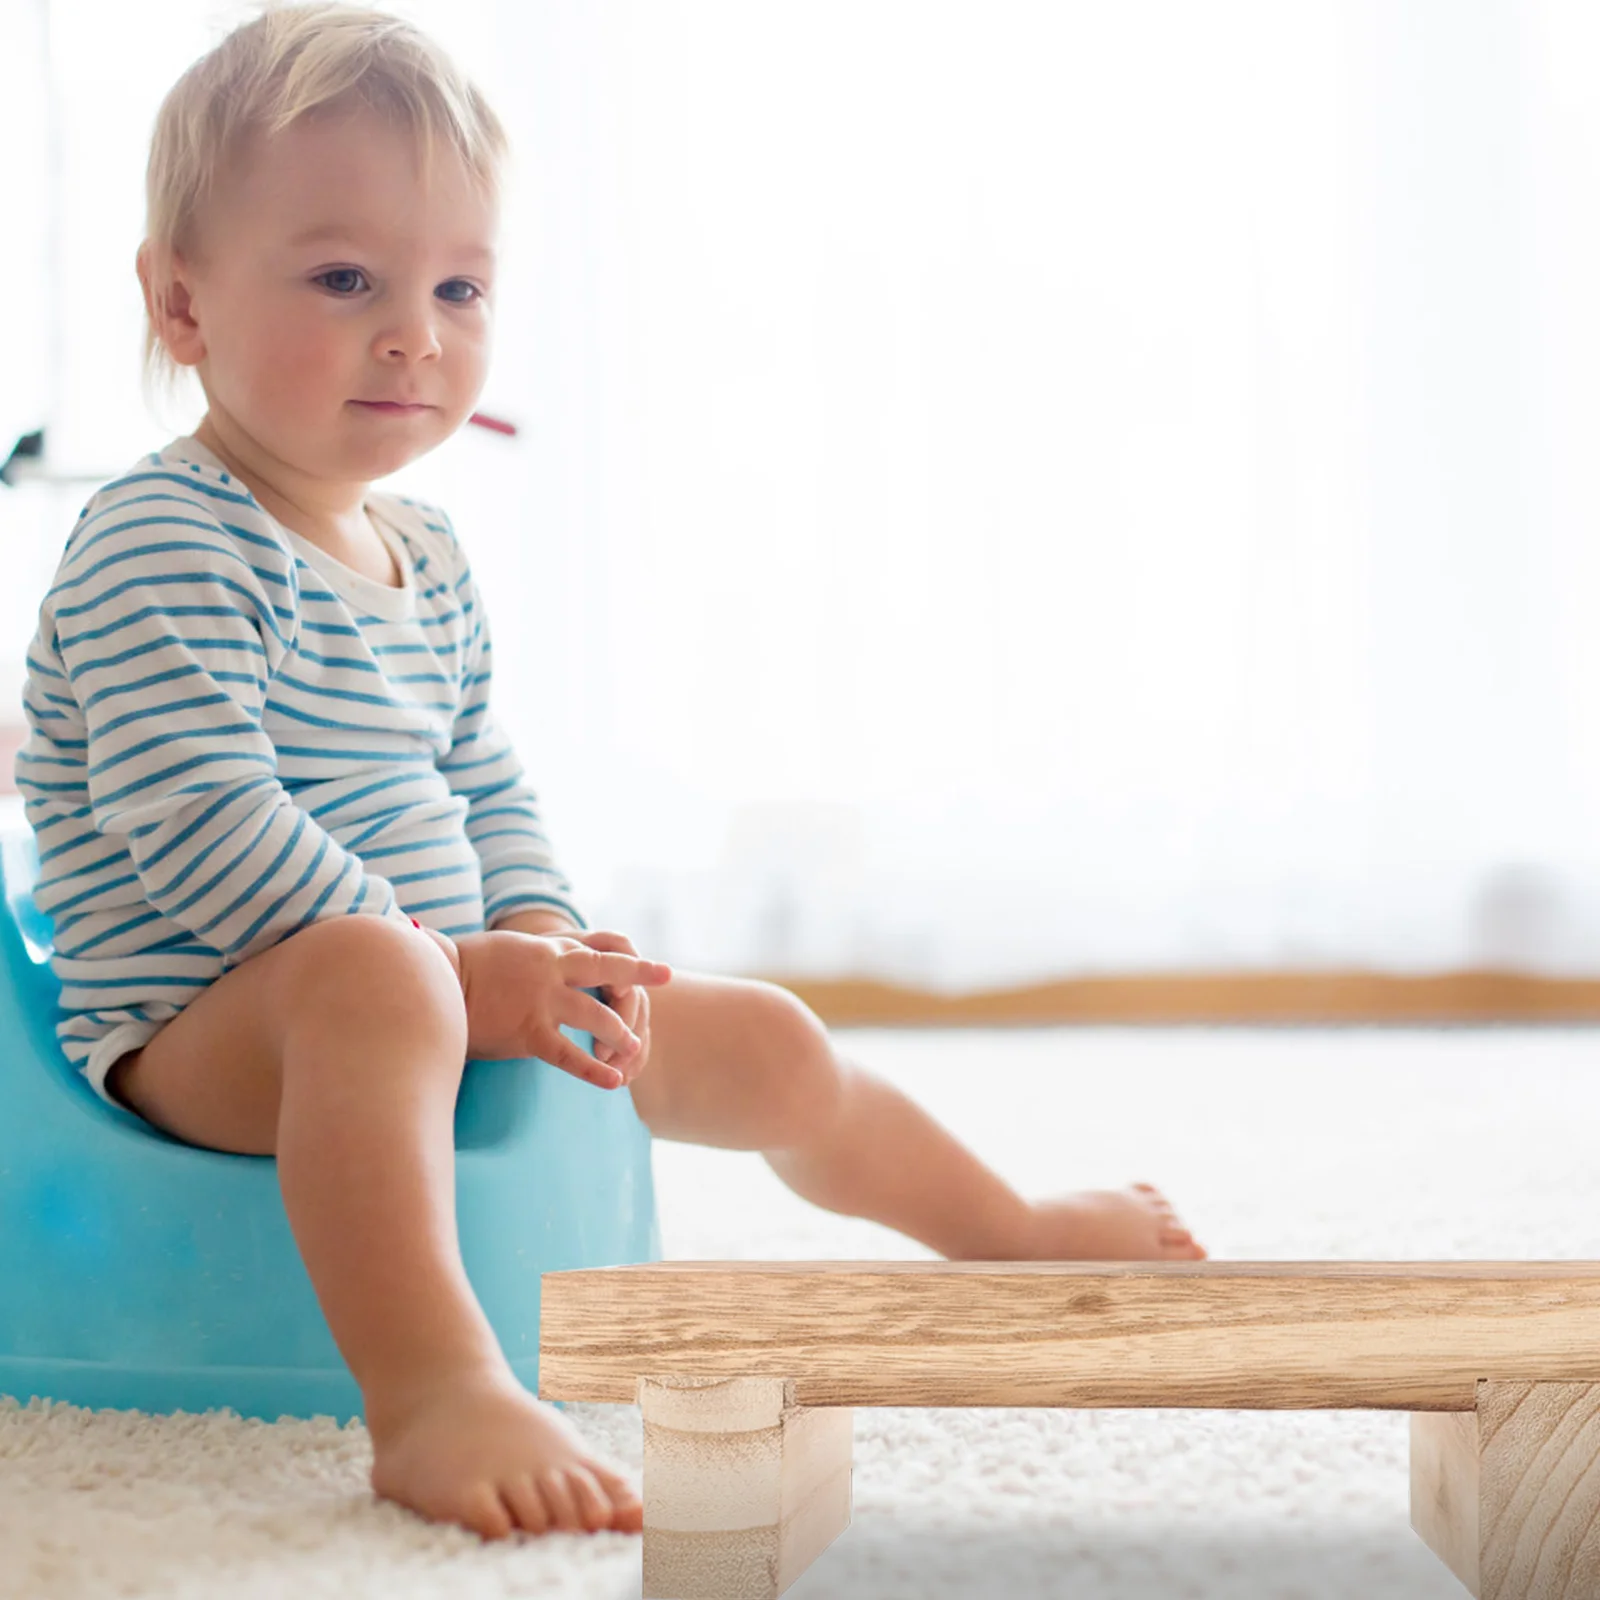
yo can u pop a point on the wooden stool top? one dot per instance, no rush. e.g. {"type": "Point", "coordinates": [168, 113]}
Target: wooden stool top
{"type": "Point", "coordinates": [1233, 1335]}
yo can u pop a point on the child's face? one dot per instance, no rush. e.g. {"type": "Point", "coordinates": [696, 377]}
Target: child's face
{"type": "Point", "coordinates": [391, 306]}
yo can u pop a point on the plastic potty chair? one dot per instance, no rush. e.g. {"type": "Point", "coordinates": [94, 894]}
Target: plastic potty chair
{"type": "Point", "coordinates": [139, 1272]}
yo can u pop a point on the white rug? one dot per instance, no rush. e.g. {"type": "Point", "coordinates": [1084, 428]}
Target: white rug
{"type": "Point", "coordinates": [1295, 1145]}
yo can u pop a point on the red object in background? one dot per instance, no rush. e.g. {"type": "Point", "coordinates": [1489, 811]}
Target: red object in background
{"type": "Point", "coordinates": [494, 424]}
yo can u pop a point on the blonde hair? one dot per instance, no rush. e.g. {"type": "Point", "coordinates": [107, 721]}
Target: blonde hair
{"type": "Point", "coordinates": [287, 62]}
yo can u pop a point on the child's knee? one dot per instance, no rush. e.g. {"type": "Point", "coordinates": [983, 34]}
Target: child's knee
{"type": "Point", "coordinates": [805, 1080]}
{"type": "Point", "coordinates": [375, 971]}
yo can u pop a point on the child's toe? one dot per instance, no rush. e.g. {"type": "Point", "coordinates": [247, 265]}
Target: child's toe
{"type": "Point", "coordinates": [627, 1510]}
{"type": "Point", "coordinates": [484, 1512]}
{"type": "Point", "coordinates": [527, 1505]}
{"type": "Point", "coordinates": [559, 1498]}
{"type": "Point", "coordinates": [593, 1505]}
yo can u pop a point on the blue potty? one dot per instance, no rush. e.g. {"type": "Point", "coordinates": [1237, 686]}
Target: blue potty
{"type": "Point", "coordinates": [139, 1272]}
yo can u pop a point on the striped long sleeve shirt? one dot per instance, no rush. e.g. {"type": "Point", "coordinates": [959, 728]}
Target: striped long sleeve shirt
{"type": "Point", "coordinates": [232, 735]}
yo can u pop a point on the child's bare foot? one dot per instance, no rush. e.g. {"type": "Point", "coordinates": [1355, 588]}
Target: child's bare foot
{"type": "Point", "coordinates": [1132, 1224]}
{"type": "Point", "coordinates": [480, 1451]}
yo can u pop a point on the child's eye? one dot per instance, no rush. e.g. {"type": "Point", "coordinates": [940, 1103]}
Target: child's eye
{"type": "Point", "coordinates": [355, 272]}
{"type": "Point", "coordinates": [337, 272]}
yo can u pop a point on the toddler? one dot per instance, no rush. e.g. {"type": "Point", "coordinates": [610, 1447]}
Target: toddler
{"type": "Point", "coordinates": [296, 876]}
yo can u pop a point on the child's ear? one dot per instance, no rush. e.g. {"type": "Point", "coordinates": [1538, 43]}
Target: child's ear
{"type": "Point", "coordinates": [167, 300]}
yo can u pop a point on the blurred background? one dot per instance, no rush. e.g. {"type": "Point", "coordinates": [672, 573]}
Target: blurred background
{"type": "Point", "coordinates": [1036, 499]}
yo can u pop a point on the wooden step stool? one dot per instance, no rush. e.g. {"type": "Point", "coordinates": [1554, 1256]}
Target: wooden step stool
{"type": "Point", "coordinates": [746, 1372]}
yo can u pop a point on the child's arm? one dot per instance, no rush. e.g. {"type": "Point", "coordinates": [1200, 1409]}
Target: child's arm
{"type": "Point", "coordinates": [169, 630]}
{"type": "Point", "coordinates": [537, 922]}
{"type": "Point", "coordinates": [523, 889]}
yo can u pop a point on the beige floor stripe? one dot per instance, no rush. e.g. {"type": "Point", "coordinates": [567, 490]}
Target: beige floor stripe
{"type": "Point", "coordinates": [1267, 998]}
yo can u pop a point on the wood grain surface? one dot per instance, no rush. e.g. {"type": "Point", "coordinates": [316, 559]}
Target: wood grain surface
{"type": "Point", "coordinates": [743, 1489]}
{"type": "Point", "coordinates": [1508, 1497]}
{"type": "Point", "coordinates": [1253, 1335]}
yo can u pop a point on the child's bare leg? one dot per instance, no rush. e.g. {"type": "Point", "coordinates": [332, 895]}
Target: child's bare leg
{"type": "Point", "coordinates": [746, 1065]}
{"type": "Point", "coordinates": [341, 1050]}
{"type": "Point", "coordinates": [886, 1159]}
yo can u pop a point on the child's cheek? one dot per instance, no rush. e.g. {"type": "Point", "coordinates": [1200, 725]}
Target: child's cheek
{"type": "Point", "coordinates": [305, 355]}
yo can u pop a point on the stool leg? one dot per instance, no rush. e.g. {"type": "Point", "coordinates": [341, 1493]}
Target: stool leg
{"type": "Point", "coordinates": [1508, 1496]}
{"type": "Point", "coordinates": [743, 1489]}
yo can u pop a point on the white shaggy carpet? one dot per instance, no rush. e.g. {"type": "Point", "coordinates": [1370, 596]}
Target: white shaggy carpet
{"type": "Point", "coordinates": [1289, 1145]}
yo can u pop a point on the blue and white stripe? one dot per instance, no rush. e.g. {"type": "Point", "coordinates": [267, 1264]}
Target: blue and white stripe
{"type": "Point", "coordinates": [232, 736]}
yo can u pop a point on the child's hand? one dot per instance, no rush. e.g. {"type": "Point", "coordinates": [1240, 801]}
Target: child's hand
{"type": "Point", "coordinates": [630, 1003]}
{"type": "Point", "coordinates": [521, 988]}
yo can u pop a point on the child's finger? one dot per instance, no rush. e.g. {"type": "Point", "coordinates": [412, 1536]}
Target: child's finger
{"type": "Point", "coordinates": [623, 999]}
{"type": "Point", "coordinates": [606, 939]}
{"type": "Point", "coordinates": [592, 969]}
{"type": "Point", "coordinates": [625, 1002]}
{"type": "Point", "coordinates": [607, 1027]}
{"type": "Point", "coordinates": [563, 1053]}
{"type": "Point", "coordinates": [632, 1004]}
